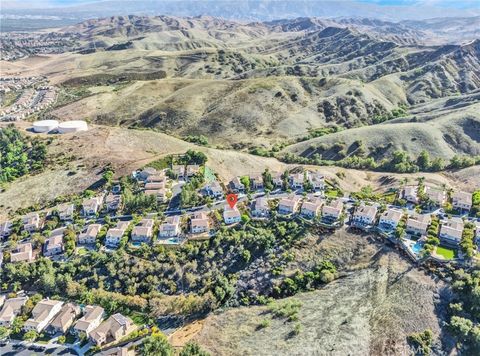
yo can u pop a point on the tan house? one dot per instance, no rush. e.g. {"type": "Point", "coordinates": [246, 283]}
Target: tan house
{"type": "Point", "coordinates": [160, 194]}
{"type": "Point", "coordinates": [311, 209]}
{"type": "Point", "coordinates": [418, 224]}
{"type": "Point", "coordinates": [192, 169]}
{"type": "Point", "coordinates": [155, 185]}
{"type": "Point", "coordinates": [462, 201]}
{"type": "Point", "coordinates": [156, 178]}
{"type": "Point", "coordinates": [91, 206]}
{"type": "Point", "coordinates": [316, 180]}
{"type": "Point", "coordinates": [42, 314]}
{"type": "Point", "coordinates": [231, 216]}
{"type": "Point", "coordinates": [143, 232]}
{"type": "Point", "coordinates": [113, 329]}
{"type": "Point", "coordinates": [261, 207]}
{"type": "Point", "coordinates": [364, 215]}
{"type": "Point", "coordinates": [236, 185]}
{"type": "Point", "coordinates": [5, 229]}
{"type": "Point", "coordinates": [256, 181]}
{"type": "Point", "coordinates": [289, 205]}
{"type": "Point", "coordinates": [297, 179]}
{"type": "Point", "coordinates": [113, 202]}
{"type": "Point", "coordinates": [22, 253]}
{"type": "Point", "coordinates": [31, 222]}
{"type": "Point", "coordinates": [410, 194]}
{"type": "Point", "coordinates": [64, 319]}
{"type": "Point", "coordinates": [333, 210]}
{"type": "Point", "coordinates": [11, 308]}
{"type": "Point", "coordinates": [169, 228]}
{"type": "Point", "coordinates": [65, 212]}
{"type": "Point", "coordinates": [89, 321]}
{"type": "Point", "coordinates": [90, 235]}
{"type": "Point", "coordinates": [390, 218]}
{"type": "Point", "coordinates": [53, 246]}
{"type": "Point", "coordinates": [451, 231]}
{"type": "Point", "coordinates": [178, 170]}
{"type": "Point", "coordinates": [199, 223]}
{"type": "Point", "coordinates": [436, 196]}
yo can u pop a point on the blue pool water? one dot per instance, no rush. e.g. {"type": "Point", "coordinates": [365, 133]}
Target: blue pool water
{"type": "Point", "coordinates": [417, 247]}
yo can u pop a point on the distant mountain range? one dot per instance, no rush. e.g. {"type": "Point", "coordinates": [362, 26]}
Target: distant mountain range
{"type": "Point", "coordinates": [246, 10]}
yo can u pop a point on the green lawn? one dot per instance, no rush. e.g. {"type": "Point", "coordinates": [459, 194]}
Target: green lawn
{"type": "Point", "coordinates": [446, 252]}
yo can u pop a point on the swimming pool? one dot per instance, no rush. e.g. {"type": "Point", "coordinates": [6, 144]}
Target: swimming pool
{"type": "Point", "coordinates": [417, 247]}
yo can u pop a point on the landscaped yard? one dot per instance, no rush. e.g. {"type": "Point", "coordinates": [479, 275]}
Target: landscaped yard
{"type": "Point", "coordinates": [446, 252]}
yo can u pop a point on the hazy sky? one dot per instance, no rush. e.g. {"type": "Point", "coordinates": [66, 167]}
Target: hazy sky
{"type": "Point", "coordinates": [460, 4]}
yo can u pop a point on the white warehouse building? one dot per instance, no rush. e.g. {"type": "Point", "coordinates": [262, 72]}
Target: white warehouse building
{"type": "Point", "coordinates": [72, 126]}
{"type": "Point", "coordinates": [45, 126]}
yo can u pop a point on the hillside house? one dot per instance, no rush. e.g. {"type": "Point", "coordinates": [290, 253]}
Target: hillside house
{"type": "Point", "coordinates": [178, 171]}
{"type": "Point", "coordinates": [364, 216]}
{"type": "Point", "coordinates": [53, 246]}
{"type": "Point", "coordinates": [192, 170]}
{"type": "Point", "coordinates": [236, 186]}
{"type": "Point", "coordinates": [5, 229]}
{"type": "Point", "coordinates": [156, 178]}
{"type": "Point", "coordinates": [256, 181]}
{"type": "Point", "coordinates": [113, 202]}
{"type": "Point", "coordinates": [160, 194]}
{"type": "Point", "coordinates": [64, 319]}
{"type": "Point", "coordinates": [417, 224]}
{"type": "Point", "coordinates": [31, 222]}
{"type": "Point", "coordinates": [332, 211]}
{"type": "Point", "coordinates": [289, 205]}
{"type": "Point", "coordinates": [42, 314]}
{"type": "Point", "coordinates": [65, 212]}
{"type": "Point", "coordinates": [296, 180]}
{"type": "Point", "coordinates": [22, 253]}
{"type": "Point", "coordinates": [261, 207]}
{"type": "Point", "coordinates": [437, 196]}
{"type": "Point", "coordinates": [10, 309]}
{"type": "Point", "coordinates": [390, 219]}
{"type": "Point", "coordinates": [155, 185]}
{"type": "Point", "coordinates": [114, 235]}
{"type": "Point", "coordinates": [410, 194]}
{"type": "Point", "coordinates": [277, 180]}
{"type": "Point", "coordinates": [451, 231]}
{"type": "Point", "coordinates": [111, 330]}
{"type": "Point", "coordinates": [145, 173]}
{"type": "Point", "coordinates": [214, 190]}
{"type": "Point", "coordinates": [231, 216]}
{"type": "Point", "coordinates": [143, 232]}
{"type": "Point", "coordinates": [90, 235]}
{"type": "Point", "coordinates": [317, 181]}
{"type": "Point", "coordinates": [462, 201]}
{"type": "Point", "coordinates": [92, 317]}
{"type": "Point", "coordinates": [169, 228]}
{"type": "Point", "coordinates": [311, 209]}
{"type": "Point", "coordinates": [91, 206]}
{"type": "Point", "coordinates": [199, 223]}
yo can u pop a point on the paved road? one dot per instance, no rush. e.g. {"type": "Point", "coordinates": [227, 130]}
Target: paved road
{"type": "Point", "coordinates": [15, 348]}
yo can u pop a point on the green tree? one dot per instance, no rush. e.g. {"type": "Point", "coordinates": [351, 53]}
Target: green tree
{"type": "Point", "coordinates": [193, 349]}
{"type": "Point", "coordinates": [30, 336]}
{"type": "Point", "coordinates": [156, 345]}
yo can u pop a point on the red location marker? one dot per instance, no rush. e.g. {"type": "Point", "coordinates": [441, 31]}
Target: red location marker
{"type": "Point", "coordinates": [232, 200]}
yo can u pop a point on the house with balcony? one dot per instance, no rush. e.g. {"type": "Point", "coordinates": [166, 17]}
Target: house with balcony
{"type": "Point", "coordinates": [410, 194]}
{"type": "Point", "coordinates": [143, 232]}
{"type": "Point", "coordinates": [53, 245]}
{"type": "Point", "coordinates": [317, 181]}
{"type": "Point", "coordinates": [112, 330]}
{"type": "Point", "coordinates": [115, 234]}
{"type": "Point", "coordinates": [231, 216]}
{"type": "Point", "coordinates": [260, 208]}
{"type": "Point", "coordinates": [289, 205]}
{"type": "Point", "coordinates": [91, 318]}
{"type": "Point", "coordinates": [390, 219]}
{"type": "Point", "coordinates": [199, 223]}
{"type": "Point", "coordinates": [236, 186]}
{"type": "Point", "coordinates": [170, 227]}
{"type": "Point", "coordinates": [311, 209]}
{"type": "Point", "coordinates": [42, 314]}
{"type": "Point", "coordinates": [113, 202]}
{"type": "Point", "coordinates": [256, 181]}
{"type": "Point", "coordinates": [296, 180]}
{"type": "Point", "coordinates": [22, 253]}
{"type": "Point", "coordinates": [90, 235]}
{"type": "Point", "coordinates": [417, 224]}
{"type": "Point", "coordinates": [66, 211]}
{"type": "Point", "coordinates": [462, 201]}
{"type": "Point", "coordinates": [192, 170]}
{"type": "Point", "coordinates": [91, 206]}
{"type": "Point", "coordinates": [436, 196]}
{"type": "Point", "coordinates": [214, 190]}
{"type": "Point", "coordinates": [64, 319]}
{"type": "Point", "coordinates": [451, 232]}
{"type": "Point", "coordinates": [5, 229]}
{"type": "Point", "coordinates": [364, 216]}
{"type": "Point", "coordinates": [332, 211]}
{"type": "Point", "coordinates": [31, 222]}
{"type": "Point", "coordinates": [10, 309]}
